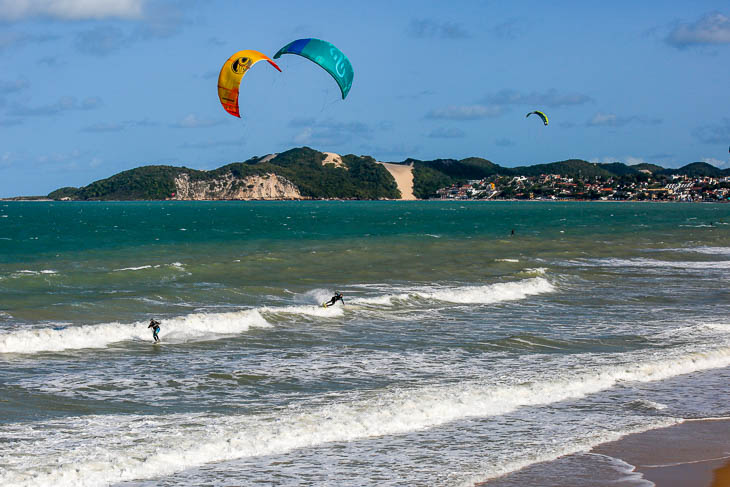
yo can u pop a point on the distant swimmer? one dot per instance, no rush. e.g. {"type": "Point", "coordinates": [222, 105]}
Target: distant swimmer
{"type": "Point", "coordinates": [335, 298]}
{"type": "Point", "coordinates": [155, 325]}
{"type": "Point", "coordinates": [513, 232]}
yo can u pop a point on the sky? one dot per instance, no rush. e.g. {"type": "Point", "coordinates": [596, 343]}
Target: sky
{"type": "Point", "coordinates": [89, 88]}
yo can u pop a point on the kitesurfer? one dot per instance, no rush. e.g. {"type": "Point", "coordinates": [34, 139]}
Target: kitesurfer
{"type": "Point", "coordinates": [335, 298]}
{"type": "Point", "coordinates": [155, 325]}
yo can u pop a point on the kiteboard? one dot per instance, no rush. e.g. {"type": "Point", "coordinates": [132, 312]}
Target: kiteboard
{"type": "Point", "coordinates": [324, 305]}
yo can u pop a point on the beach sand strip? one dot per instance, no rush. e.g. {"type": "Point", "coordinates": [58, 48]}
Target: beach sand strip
{"type": "Point", "coordinates": [695, 453]}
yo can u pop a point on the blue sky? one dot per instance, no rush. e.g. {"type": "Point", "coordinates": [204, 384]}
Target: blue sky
{"type": "Point", "coordinates": [89, 88]}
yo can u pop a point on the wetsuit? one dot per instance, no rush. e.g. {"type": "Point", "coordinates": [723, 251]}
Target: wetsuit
{"type": "Point", "coordinates": [155, 325]}
{"type": "Point", "coordinates": [335, 298]}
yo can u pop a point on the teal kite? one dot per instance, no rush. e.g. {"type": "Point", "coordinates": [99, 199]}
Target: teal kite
{"type": "Point", "coordinates": [327, 56]}
{"type": "Point", "coordinates": [539, 114]}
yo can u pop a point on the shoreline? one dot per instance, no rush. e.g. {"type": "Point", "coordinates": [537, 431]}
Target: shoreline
{"type": "Point", "coordinates": [453, 200]}
{"type": "Point", "coordinates": [688, 453]}
{"type": "Point", "coordinates": [695, 452]}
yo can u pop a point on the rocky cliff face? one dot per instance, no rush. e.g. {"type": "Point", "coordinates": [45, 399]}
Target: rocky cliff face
{"type": "Point", "coordinates": [228, 187]}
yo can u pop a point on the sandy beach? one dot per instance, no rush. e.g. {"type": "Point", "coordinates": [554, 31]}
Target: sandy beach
{"type": "Point", "coordinates": [695, 453]}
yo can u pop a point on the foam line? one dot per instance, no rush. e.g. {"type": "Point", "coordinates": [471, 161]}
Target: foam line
{"type": "Point", "coordinates": [665, 264]}
{"type": "Point", "coordinates": [487, 294]}
{"type": "Point", "coordinates": [179, 329]}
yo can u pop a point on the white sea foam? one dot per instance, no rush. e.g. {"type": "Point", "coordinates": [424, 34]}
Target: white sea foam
{"type": "Point", "coordinates": [26, 272]}
{"type": "Point", "coordinates": [491, 293]}
{"type": "Point", "coordinates": [487, 294]}
{"type": "Point", "coordinates": [506, 260]}
{"type": "Point", "coordinates": [180, 329]}
{"type": "Point", "coordinates": [134, 268]}
{"type": "Point", "coordinates": [99, 450]}
{"type": "Point", "coordinates": [652, 263]}
{"type": "Point", "coordinates": [176, 265]}
{"type": "Point", "coordinates": [309, 310]}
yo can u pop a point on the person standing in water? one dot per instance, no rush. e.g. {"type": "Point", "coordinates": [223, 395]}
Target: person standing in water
{"type": "Point", "coordinates": [335, 298]}
{"type": "Point", "coordinates": [155, 325]}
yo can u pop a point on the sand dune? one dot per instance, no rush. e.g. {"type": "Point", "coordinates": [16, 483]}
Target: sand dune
{"type": "Point", "coordinates": [403, 178]}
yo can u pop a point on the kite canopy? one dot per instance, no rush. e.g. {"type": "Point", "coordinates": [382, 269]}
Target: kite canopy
{"type": "Point", "coordinates": [231, 74]}
{"type": "Point", "coordinates": [539, 114]}
{"type": "Point", "coordinates": [327, 56]}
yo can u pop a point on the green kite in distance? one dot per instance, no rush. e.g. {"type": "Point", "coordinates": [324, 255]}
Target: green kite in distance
{"type": "Point", "coordinates": [327, 56]}
{"type": "Point", "coordinates": [539, 114]}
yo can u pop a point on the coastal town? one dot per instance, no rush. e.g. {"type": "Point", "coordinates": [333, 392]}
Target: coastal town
{"type": "Point", "coordinates": [642, 187]}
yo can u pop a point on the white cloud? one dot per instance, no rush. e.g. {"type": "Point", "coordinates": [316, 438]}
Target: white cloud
{"type": "Point", "coordinates": [71, 9]}
{"type": "Point", "coordinates": [466, 112]}
{"type": "Point", "coordinates": [612, 120]}
{"type": "Point", "coordinates": [712, 28]}
{"type": "Point", "coordinates": [192, 121]}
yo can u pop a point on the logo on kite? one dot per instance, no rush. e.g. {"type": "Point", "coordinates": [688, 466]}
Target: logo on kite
{"type": "Point", "coordinates": [231, 75]}
{"type": "Point", "coordinates": [539, 114]}
{"type": "Point", "coordinates": [240, 65]}
{"type": "Point", "coordinates": [327, 56]}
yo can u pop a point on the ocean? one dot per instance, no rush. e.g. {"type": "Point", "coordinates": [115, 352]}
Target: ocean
{"type": "Point", "coordinates": [463, 352]}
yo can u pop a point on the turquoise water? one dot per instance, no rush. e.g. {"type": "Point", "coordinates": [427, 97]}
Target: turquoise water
{"type": "Point", "coordinates": [463, 352]}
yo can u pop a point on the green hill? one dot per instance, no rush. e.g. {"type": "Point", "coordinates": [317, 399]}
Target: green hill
{"type": "Point", "coordinates": [698, 169]}
{"type": "Point", "coordinates": [429, 176]}
{"type": "Point", "coordinates": [142, 183]}
{"type": "Point", "coordinates": [571, 168]}
{"type": "Point", "coordinates": [358, 177]}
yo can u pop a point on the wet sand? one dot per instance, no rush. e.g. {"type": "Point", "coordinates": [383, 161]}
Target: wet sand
{"type": "Point", "coordinates": [695, 453]}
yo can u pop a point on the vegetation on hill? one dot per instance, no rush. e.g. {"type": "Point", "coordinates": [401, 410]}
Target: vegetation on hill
{"type": "Point", "coordinates": [699, 169]}
{"type": "Point", "coordinates": [360, 177]}
{"type": "Point", "coordinates": [572, 167]}
{"type": "Point", "coordinates": [429, 176]}
{"type": "Point", "coordinates": [142, 183]}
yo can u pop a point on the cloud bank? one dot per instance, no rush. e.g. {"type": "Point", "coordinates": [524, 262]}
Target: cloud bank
{"type": "Point", "coordinates": [71, 9]}
{"type": "Point", "coordinates": [710, 29]}
{"type": "Point", "coordinates": [612, 120]}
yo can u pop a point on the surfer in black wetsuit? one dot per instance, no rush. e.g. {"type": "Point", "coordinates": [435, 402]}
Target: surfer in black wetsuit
{"type": "Point", "coordinates": [155, 325]}
{"type": "Point", "coordinates": [335, 298]}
